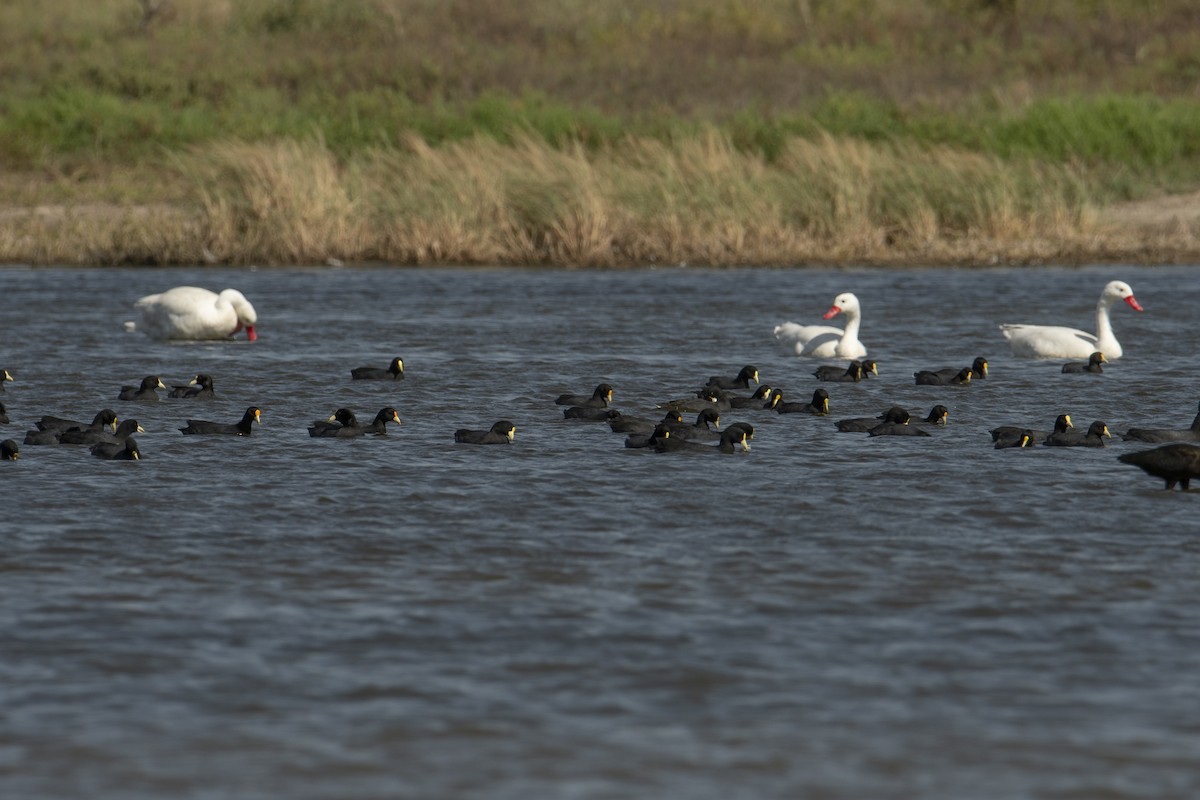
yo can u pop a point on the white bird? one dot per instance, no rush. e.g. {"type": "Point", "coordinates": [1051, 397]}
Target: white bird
{"type": "Point", "coordinates": [189, 312]}
{"type": "Point", "coordinates": [1053, 341]}
{"type": "Point", "coordinates": [826, 341]}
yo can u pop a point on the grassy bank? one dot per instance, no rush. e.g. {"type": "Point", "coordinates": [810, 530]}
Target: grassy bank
{"type": "Point", "coordinates": [607, 134]}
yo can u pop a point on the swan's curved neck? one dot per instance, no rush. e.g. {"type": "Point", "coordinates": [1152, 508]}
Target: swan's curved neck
{"type": "Point", "coordinates": [1104, 331]}
{"type": "Point", "coordinates": [852, 323]}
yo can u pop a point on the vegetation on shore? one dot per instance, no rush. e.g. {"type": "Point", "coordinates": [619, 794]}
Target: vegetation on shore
{"type": "Point", "coordinates": [567, 132]}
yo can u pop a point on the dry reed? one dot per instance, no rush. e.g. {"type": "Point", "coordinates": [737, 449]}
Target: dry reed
{"type": "Point", "coordinates": [698, 201]}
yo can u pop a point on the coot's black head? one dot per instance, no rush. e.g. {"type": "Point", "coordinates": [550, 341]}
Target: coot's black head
{"type": "Point", "coordinates": [938, 415]}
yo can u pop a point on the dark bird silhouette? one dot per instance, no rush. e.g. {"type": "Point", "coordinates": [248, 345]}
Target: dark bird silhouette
{"type": "Point", "coordinates": [1023, 439]}
{"type": "Point", "coordinates": [928, 377]}
{"type": "Point", "coordinates": [78, 436]}
{"type": "Point", "coordinates": [740, 381]}
{"type": "Point", "coordinates": [1094, 437]}
{"type": "Point", "coordinates": [393, 371]}
{"type": "Point", "coordinates": [852, 374]}
{"type": "Point", "coordinates": [755, 400]}
{"type": "Point", "coordinates": [9, 450]}
{"type": "Point", "coordinates": [344, 425]}
{"type": "Point", "coordinates": [105, 418]}
{"type": "Point", "coordinates": [342, 418]}
{"type": "Point", "coordinates": [819, 405]}
{"type": "Point", "coordinates": [599, 398]}
{"type": "Point", "coordinates": [501, 432]}
{"type": "Point", "coordinates": [938, 415]}
{"type": "Point", "coordinates": [1092, 365]}
{"type": "Point", "coordinates": [199, 388]}
{"type": "Point", "coordinates": [124, 451]}
{"type": "Point", "coordinates": [1007, 433]}
{"type": "Point", "coordinates": [243, 427]}
{"type": "Point", "coordinates": [895, 414]}
{"type": "Point", "coordinates": [146, 393]}
{"type": "Point", "coordinates": [731, 439]}
{"type": "Point", "coordinates": [1175, 463]}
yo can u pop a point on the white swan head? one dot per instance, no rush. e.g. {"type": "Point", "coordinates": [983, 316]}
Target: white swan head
{"type": "Point", "coordinates": [845, 303]}
{"type": "Point", "coordinates": [1119, 290]}
{"type": "Point", "coordinates": [247, 317]}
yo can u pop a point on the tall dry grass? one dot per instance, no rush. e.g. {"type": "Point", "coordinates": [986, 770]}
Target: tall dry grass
{"type": "Point", "coordinates": [698, 201]}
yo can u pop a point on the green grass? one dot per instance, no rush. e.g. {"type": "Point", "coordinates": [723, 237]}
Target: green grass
{"type": "Point", "coordinates": [1082, 101]}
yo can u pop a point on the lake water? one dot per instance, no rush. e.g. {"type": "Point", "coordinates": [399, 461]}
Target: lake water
{"type": "Point", "coordinates": [826, 616]}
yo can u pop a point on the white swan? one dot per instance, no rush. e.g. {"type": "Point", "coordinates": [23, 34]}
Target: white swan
{"type": "Point", "coordinates": [826, 341]}
{"type": "Point", "coordinates": [189, 312]}
{"type": "Point", "coordinates": [1052, 341]}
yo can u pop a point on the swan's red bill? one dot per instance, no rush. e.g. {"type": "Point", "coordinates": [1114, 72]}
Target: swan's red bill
{"type": "Point", "coordinates": [832, 312]}
{"type": "Point", "coordinates": [1133, 303]}
{"type": "Point", "coordinates": [250, 334]}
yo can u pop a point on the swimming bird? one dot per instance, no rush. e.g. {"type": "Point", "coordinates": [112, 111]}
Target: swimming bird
{"type": "Point", "coordinates": [5, 376]}
{"type": "Point", "coordinates": [146, 393]}
{"type": "Point", "coordinates": [124, 451]}
{"type": "Point", "coordinates": [940, 378]}
{"type": "Point", "coordinates": [198, 388]}
{"type": "Point", "coordinates": [819, 405]}
{"type": "Point", "coordinates": [647, 440]}
{"type": "Point", "coordinates": [599, 398]}
{"type": "Point", "coordinates": [378, 426]}
{"type": "Point", "coordinates": [708, 421]}
{"type": "Point", "coordinates": [938, 415]}
{"type": "Point", "coordinates": [1024, 439]}
{"type": "Point", "coordinates": [341, 418]}
{"type": "Point", "coordinates": [755, 400]}
{"type": "Point", "coordinates": [731, 439]}
{"type": "Point", "coordinates": [1175, 463]}
{"type": "Point", "coordinates": [1092, 365]}
{"type": "Point", "coordinates": [192, 313]}
{"type": "Point", "coordinates": [9, 450]}
{"type": "Point", "coordinates": [740, 381]}
{"type": "Point", "coordinates": [1152, 435]}
{"type": "Point", "coordinates": [105, 418]}
{"type": "Point", "coordinates": [895, 414]}
{"type": "Point", "coordinates": [77, 436]}
{"type": "Point", "coordinates": [501, 432]}
{"type": "Point", "coordinates": [1062, 423]}
{"type": "Point", "coordinates": [344, 425]}
{"type": "Point", "coordinates": [243, 427]}
{"type": "Point", "coordinates": [393, 371]}
{"type": "Point", "coordinates": [888, 428]}
{"type": "Point", "coordinates": [1094, 437]}
{"type": "Point", "coordinates": [1053, 341]}
{"type": "Point", "coordinates": [826, 341]}
{"type": "Point", "coordinates": [851, 374]}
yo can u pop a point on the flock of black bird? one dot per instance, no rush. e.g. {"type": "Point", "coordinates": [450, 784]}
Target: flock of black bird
{"type": "Point", "coordinates": [112, 439]}
{"type": "Point", "coordinates": [1176, 462]}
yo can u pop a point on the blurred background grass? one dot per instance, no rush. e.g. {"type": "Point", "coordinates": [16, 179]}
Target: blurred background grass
{"type": "Point", "coordinates": [589, 132]}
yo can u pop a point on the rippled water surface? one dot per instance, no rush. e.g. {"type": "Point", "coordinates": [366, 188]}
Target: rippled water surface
{"type": "Point", "coordinates": [826, 616]}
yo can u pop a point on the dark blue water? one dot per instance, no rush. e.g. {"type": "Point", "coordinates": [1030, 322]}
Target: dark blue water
{"type": "Point", "coordinates": [826, 616]}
